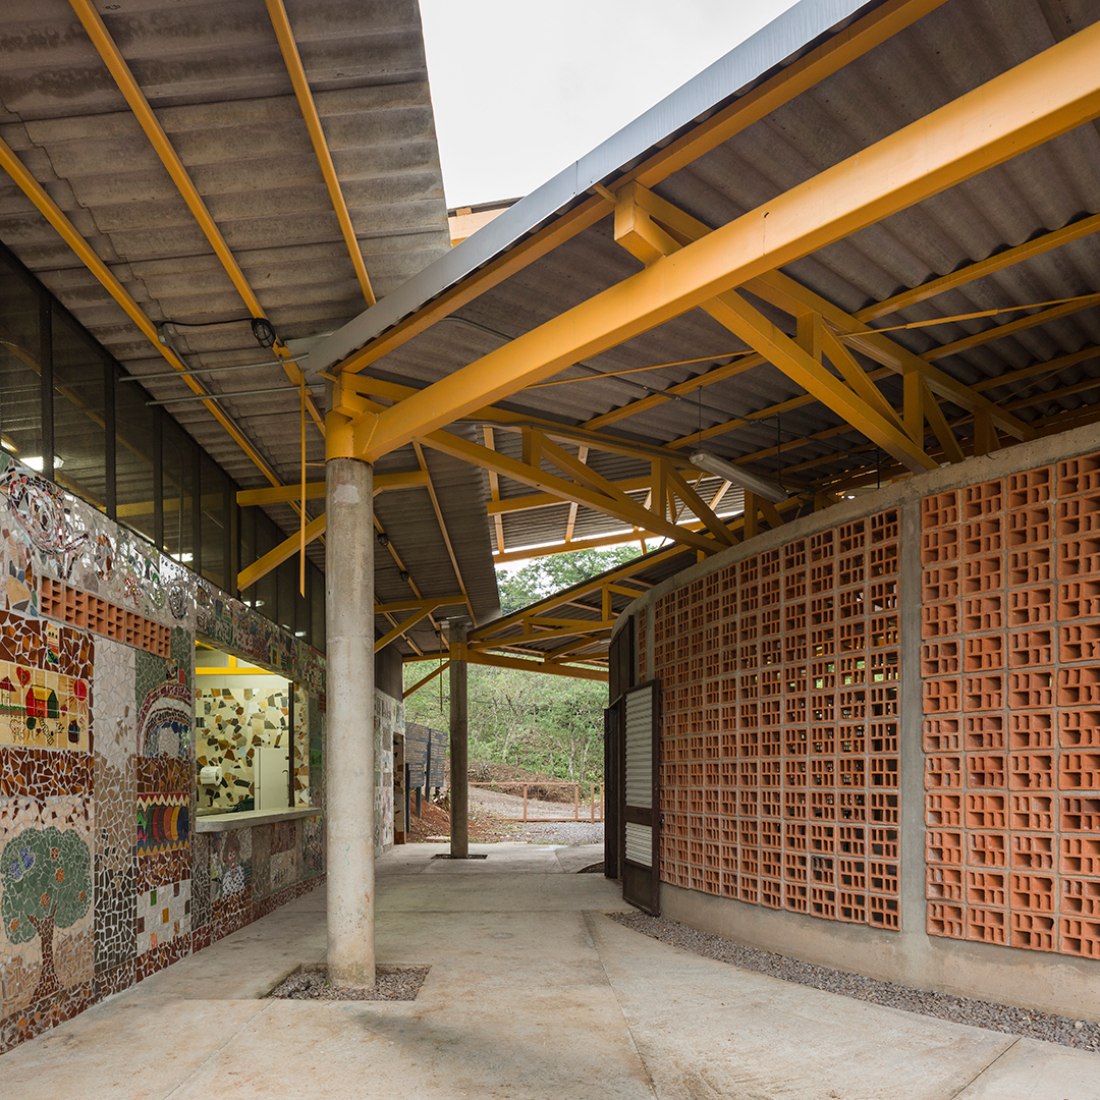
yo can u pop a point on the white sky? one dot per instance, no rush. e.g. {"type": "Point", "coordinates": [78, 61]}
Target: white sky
{"type": "Point", "coordinates": [523, 88]}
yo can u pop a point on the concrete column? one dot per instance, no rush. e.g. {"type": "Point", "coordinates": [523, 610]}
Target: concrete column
{"type": "Point", "coordinates": [460, 793]}
{"type": "Point", "coordinates": [349, 748]}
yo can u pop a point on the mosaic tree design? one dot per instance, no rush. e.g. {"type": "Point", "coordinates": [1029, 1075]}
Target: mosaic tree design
{"type": "Point", "coordinates": [47, 881]}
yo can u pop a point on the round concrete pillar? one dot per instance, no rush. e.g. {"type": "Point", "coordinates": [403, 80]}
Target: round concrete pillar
{"type": "Point", "coordinates": [349, 727]}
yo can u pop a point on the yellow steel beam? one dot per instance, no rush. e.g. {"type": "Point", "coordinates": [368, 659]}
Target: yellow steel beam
{"type": "Point", "coordinates": [580, 626]}
{"type": "Point", "coordinates": [444, 533]}
{"type": "Point", "coordinates": [680, 389]}
{"type": "Point", "coordinates": [789, 295]}
{"type": "Point", "coordinates": [437, 671]}
{"type": "Point", "coordinates": [315, 490]}
{"type": "Point", "coordinates": [116, 64]}
{"type": "Point", "coordinates": [554, 668]}
{"type": "Point", "coordinates": [360, 386]}
{"type": "Point", "coordinates": [622, 574]}
{"type": "Point", "coordinates": [1032, 320]}
{"type": "Point", "coordinates": [72, 237]}
{"type": "Point", "coordinates": [402, 628]}
{"type": "Point", "coordinates": [699, 508]}
{"type": "Point", "coordinates": [550, 633]}
{"type": "Point", "coordinates": [494, 491]}
{"type": "Point", "coordinates": [293, 60]}
{"type": "Point", "coordinates": [574, 508]}
{"type": "Point", "coordinates": [596, 542]}
{"type": "Point", "coordinates": [862, 36]}
{"type": "Point", "coordinates": [283, 552]}
{"type": "Point", "coordinates": [641, 206]}
{"type": "Point", "coordinates": [393, 607]}
{"type": "Point", "coordinates": [733, 311]}
{"type": "Point", "coordinates": [1041, 98]}
{"type": "Point", "coordinates": [1075, 231]}
{"type": "Point", "coordinates": [626, 510]}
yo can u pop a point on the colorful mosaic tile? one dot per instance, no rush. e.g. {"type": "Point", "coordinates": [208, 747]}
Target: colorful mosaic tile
{"type": "Point", "coordinates": [230, 864]}
{"type": "Point", "coordinates": [114, 806]}
{"type": "Point", "coordinates": [115, 798]}
{"type": "Point", "coordinates": [163, 823]}
{"type": "Point", "coordinates": [115, 980]}
{"type": "Point", "coordinates": [231, 723]}
{"type": "Point", "coordinates": [43, 774]}
{"type": "Point", "coordinates": [261, 861]}
{"type": "Point", "coordinates": [160, 867]}
{"type": "Point", "coordinates": [231, 913]}
{"type": "Point", "coordinates": [161, 956]}
{"type": "Point", "coordinates": [45, 898]}
{"type": "Point", "coordinates": [163, 914]}
{"type": "Point", "coordinates": [200, 880]}
{"type": "Point", "coordinates": [164, 700]}
{"type": "Point", "coordinates": [43, 709]}
{"type": "Point", "coordinates": [232, 626]}
{"type": "Point", "coordinates": [313, 846]}
{"type": "Point", "coordinates": [284, 836]}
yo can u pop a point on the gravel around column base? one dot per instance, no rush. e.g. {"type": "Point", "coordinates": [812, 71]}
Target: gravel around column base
{"type": "Point", "coordinates": [392, 983]}
{"type": "Point", "coordinates": [1028, 1023]}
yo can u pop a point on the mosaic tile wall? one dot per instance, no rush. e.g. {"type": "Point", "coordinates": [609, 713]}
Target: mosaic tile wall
{"type": "Point", "coordinates": [1011, 674]}
{"type": "Point", "coordinates": [101, 881]}
{"type": "Point", "coordinates": [779, 726]}
{"type": "Point", "coordinates": [389, 717]}
{"type": "Point", "coordinates": [234, 720]}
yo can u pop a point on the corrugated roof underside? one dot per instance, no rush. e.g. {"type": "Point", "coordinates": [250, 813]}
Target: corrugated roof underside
{"type": "Point", "coordinates": [214, 76]}
{"type": "Point", "coordinates": [949, 52]}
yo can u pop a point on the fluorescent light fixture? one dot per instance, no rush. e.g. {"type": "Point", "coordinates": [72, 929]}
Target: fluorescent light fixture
{"type": "Point", "coordinates": [299, 634]}
{"type": "Point", "coordinates": [183, 558]}
{"type": "Point", "coordinates": [738, 476]}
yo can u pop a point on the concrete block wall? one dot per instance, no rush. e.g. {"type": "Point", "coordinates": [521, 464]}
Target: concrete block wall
{"type": "Point", "coordinates": [880, 740]}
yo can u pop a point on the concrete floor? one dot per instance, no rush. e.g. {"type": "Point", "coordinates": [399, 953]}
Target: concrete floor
{"type": "Point", "coordinates": [532, 993]}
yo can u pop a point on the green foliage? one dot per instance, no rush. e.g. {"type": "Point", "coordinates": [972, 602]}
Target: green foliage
{"type": "Point", "coordinates": [530, 720]}
{"type": "Point", "coordinates": [46, 873]}
{"type": "Point", "coordinates": [546, 724]}
{"type": "Point", "coordinates": [544, 576]}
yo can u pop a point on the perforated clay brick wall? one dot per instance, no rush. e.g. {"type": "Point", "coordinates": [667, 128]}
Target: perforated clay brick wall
{"type": "Point", "coordinates": [1011, 668]}
{"type": "Point", "coordinates": [779, 739]}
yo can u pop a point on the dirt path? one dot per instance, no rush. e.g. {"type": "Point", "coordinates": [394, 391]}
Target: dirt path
{"type": "Point", "coordinates": [511, 805]}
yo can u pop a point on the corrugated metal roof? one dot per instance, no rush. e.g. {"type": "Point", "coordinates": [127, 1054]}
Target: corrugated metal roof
{"type": "Point", "coordinates": [215, 78]}
{"type": "Point", "coordinates": [948, 52]}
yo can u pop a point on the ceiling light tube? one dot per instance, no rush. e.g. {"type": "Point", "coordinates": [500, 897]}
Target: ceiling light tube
{"type": "Point", "coordinates": [738, 476]}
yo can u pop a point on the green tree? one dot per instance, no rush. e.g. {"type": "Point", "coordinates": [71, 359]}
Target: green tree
{"type": "Point", "coordinates": [543, 577]}
{"type": "Point", "coordinates": [542, 723]}
{"type": "Point", "coordinates": [46, 876]}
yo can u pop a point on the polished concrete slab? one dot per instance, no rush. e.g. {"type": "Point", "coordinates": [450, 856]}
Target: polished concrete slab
{"type": "Point", "coordinates": [533, 993]}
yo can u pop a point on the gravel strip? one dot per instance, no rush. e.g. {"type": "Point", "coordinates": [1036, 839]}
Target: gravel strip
{"type": "Point", "coordinates": [393, 983]}
{"type": "Point", "coordinates": [560, 832]}
{"type": "Point", "coordinates": [1080, 1034]}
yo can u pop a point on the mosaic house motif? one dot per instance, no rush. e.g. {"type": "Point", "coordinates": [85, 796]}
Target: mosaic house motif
{"type": "Point", "coordinates": [43, 709]}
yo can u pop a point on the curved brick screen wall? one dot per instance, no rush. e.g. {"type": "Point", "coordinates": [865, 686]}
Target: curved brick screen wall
{"type": "Point", "coordinates": [779, 738]}
{"type": "Point", "coordinates": [1011, 661]}
{"type": "Point", "coordinates": [886, 716]}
